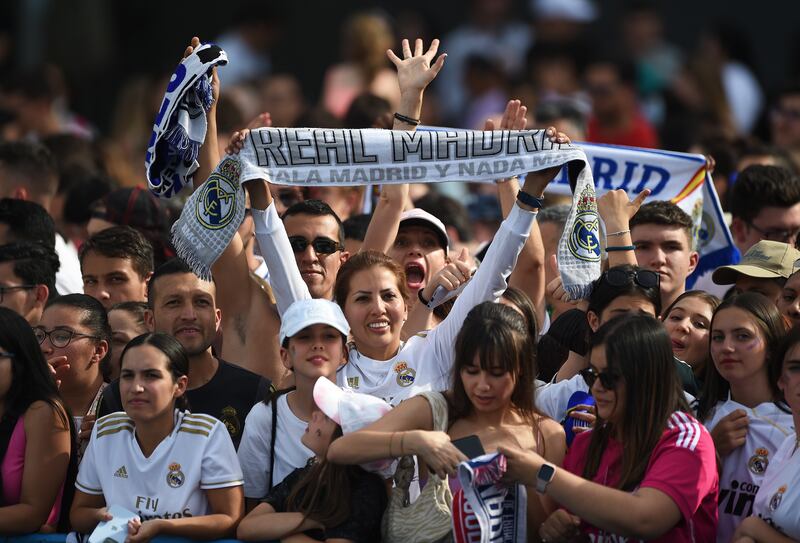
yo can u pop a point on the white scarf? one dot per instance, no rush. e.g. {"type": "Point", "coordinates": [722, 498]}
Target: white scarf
{"type": "Point", "coordinates": [306, 156]}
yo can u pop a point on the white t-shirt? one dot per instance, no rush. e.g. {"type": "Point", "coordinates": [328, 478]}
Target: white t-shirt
{"type": "Point", "coordinates": [424, 362]}
{"type": "Point", "coordinates": [69, 279]}
{"type": "Point", "coordinates": [743, 469]}
{"type": "Point", "coordinates": [778, 498]}
{"type": "Point", "coordinates": [198, 455]}
{"type": "Point", "coordinates": [254, 449]}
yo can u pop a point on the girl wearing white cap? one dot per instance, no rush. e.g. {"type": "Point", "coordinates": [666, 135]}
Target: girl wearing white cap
{"type": "Point", "coordinates": [313, 340]}
{"type": "Point", "coordinates": [323, 500]}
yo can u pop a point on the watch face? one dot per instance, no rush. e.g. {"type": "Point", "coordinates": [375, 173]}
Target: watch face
{"type": "Point", "coordinates": [546, 472]}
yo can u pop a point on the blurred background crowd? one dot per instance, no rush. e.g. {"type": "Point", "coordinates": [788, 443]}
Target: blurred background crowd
{"type": "Point", "coordinates": [85, 77]}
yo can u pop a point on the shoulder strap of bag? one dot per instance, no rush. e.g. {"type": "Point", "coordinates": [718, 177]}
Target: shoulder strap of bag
{"type": "Point", "coordinates": [274, 402]}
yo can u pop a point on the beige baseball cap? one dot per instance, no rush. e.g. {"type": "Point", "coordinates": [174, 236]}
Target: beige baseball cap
{"type": "Point", "coordinates": [764, 260]}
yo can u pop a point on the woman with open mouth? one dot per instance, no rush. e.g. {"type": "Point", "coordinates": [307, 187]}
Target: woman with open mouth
{"type": "Point", "coordinates": [688, 322]}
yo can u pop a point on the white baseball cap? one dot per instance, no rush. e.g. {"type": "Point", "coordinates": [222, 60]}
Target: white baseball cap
{"type": "Point", "coordinates": [303, 313]}
{"type": "Point", "coordinates": [420, 217]}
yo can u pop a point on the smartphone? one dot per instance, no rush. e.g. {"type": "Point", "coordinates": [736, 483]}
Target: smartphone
{"type": "Point", "coordinates": [470, 446]}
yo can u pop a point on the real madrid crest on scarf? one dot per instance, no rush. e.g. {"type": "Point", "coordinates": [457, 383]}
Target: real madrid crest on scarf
{"type": "Point", "coordinates": [584, 239]}
{"type": "Point", "coordinates": [175, 476]}
{"type": "Point", "coordinates": [210, 218]}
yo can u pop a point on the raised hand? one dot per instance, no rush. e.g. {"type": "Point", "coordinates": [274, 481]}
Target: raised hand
{"type": "Point", "coordinates": [451, 276]}
{"type": "Point", "coordinates": [536, 182]}
{"type": "Point", "coordinates": [416, 71]}
{"type": "Point", "coordinates": [731, 432]}
{"type": "Point", "coordinates": [194, 44]}
{"type": "Point", "coordinates": [616, 209]}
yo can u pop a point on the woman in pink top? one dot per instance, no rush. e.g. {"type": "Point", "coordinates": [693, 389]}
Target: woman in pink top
{"type": "Point", "coordinates": [647, 471]}
{"type": "Point", "coordinates": [35, 442]}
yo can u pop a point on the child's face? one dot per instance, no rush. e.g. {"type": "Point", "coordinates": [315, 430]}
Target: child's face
{"type": "Point", "coordinates": [319, 433]}
{"type": "Point", "coordinates": [315, 351]}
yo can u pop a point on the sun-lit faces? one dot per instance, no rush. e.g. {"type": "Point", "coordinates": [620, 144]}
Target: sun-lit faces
{"type": "Point", "coordinates": [318, 270]}
{"type": "Point", "coordinates": [319, 433]}
{"type": "Point", "coordinates": [376, 312]}
{"type": "Point", "coordinates": [112, 280]}
{"type": "Point", "coordinates": [488, 389]}
{"type": "Point", "coordinates": [418, 251]}
{"type": "Point", "coordinates": [315, 351]}
{"type": "Point", "coordinates": [146, 386]}
{"type": "Point", "coordinates": [184, 308]}
{"type": "Point", "coordinates": [667, 251]}
{"type": "Point", "coordinates": [610, 403]}
{"type": "Point", "coordinates": [738, 347]}
{"type": "Point", "coordinates": [688, 326]}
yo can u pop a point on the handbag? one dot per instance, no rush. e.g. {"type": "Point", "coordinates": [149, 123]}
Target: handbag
{"type": "Point", "coordinates": [429, 517]}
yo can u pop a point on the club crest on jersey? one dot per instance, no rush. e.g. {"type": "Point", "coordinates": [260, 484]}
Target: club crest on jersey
{"type": "Point", "coordinates": [775, 501]}
{"type": "Point", "coordinates": [583, 240]}
{"type": "Point", "coordinates": [231, 421]}
{"type": "Point", "coordinates": [405, 375]}
{"type": "Point", "coordinates": [352, 382]}
{"type": "Point", "coordinates": [759, 461]}
{"type": "Point", "coordinates": [175, 477]}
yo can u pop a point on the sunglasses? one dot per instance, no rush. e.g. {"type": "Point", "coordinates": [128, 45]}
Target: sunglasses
{"type": "Point", "coordinates": [322, 246]}
{"type": "Point", "coordinates": [623, 278]}
{"type": "Point", "coordinates": [607, 380]}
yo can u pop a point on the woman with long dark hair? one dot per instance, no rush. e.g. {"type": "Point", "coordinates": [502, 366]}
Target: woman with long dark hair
{"type": "Point", "coordinates": [177, 470]}
{"type": "Point", "coordinates": [648, 469]}
{"type": "Point", "coordinates": [491, 396]}
{"type": "Point", "coordinates": [776, 508]}
{"type": "Point", "coordinates": [35, 443]}
{"type": "Point", "coordinates": [688, 322]}
{"type": "Point", "coordinates": [741, 403]}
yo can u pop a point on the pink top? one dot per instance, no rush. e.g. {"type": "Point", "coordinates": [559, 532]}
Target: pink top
{"type": "Point", "coordinates": [12, 468]}
{"type": "Point", "coordinates": [683, 466]}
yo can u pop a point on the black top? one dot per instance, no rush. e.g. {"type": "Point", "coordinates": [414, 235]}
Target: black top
{"type": "Point", "coordinates": [367, 504]}
{"type": "Point", "coordinates": [228, 396]}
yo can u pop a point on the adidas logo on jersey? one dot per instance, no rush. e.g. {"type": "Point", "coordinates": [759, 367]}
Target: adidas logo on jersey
{"type": "Point", "coordinates": [121, 473]}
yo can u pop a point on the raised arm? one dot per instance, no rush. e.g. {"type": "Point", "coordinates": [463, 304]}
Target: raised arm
{"type": "Point", "coordinates": [489, 282]}
{"type": "Point", "coordinates": [528, 275]}
{"type": "Point", "coordinates": [414, 73]}
{"type": "Point", "coordinates": [616, 210]}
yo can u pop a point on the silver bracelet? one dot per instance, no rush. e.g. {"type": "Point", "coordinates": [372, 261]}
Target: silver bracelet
{"type": "Point", "coordinates": [620, 233]}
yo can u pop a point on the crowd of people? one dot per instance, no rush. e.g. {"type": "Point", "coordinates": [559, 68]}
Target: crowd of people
{"type": "Point", "coordinates": [311, 391]}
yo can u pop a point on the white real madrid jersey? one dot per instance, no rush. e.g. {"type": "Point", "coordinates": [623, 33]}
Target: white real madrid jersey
{"type": "Point", "coordinates": [198, 455]}
{"type": "Point", "coordinates": [778, 498]}
{"type": "Point", "coordinates": [743, 469]}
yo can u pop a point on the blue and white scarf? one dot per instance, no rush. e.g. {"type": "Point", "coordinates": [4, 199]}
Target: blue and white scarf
{"type": "Point", "coordinates": [180, 126]}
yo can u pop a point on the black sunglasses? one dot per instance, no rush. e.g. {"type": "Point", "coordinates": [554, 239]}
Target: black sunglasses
{"type": "Point", "coordinates": [322, 246]}
{"type": "Point", "coordinates": [607, 380]}
{"type": "Point", "coordinates": [623, 278]}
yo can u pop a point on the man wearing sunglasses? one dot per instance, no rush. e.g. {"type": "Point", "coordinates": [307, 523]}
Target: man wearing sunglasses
{"type": "Point", "coordinates": [27, 278]}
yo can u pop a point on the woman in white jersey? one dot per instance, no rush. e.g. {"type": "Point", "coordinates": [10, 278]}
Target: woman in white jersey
{"type": "Point", "coordinates": [491, 396]}
{"type": "Point", "coordinates": [313, 340]}
{"type": "Point", "coordinates": [176, 470]}
{"type": "Point", "coordinates": [776, 511]}
{"type": "Point", "coordinates": [740, 403]}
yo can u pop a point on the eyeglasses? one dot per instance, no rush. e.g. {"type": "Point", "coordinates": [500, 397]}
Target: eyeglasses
{"type": "Point", "coordinates": [60, 337]}
{"type": "Point", "coordinates": [784, 236]}
{"type": "Point", "coordinates": [322, 246]}
{"type": "Point", "coordinates": [3, 290]}
{"type": "Point", "coordinates": [607, 380]}
{"type": "Point", "coordinates": [622, 278]}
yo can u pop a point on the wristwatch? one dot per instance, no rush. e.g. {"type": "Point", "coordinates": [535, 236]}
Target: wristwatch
{"type": "Point", "coordinates": [543, 478]}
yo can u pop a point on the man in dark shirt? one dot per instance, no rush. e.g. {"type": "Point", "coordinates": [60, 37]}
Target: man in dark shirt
{"type": "Point", "coordinates": [184, 306]}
